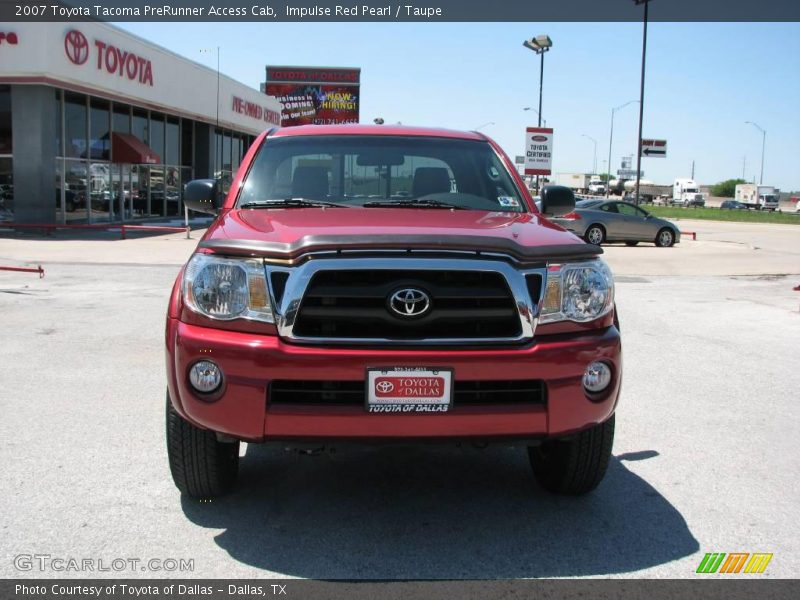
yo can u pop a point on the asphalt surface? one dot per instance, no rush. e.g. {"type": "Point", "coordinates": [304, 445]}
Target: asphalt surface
{"type": "Point", "coordinates": [705, 460]}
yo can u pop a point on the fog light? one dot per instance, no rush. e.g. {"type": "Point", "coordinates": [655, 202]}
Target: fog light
{"type": "Point", "coordinates": [205, 376]}
{"type": "Point", "coordinates": [597, 377]}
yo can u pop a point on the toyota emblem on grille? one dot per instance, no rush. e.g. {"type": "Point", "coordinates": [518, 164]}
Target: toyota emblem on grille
{"type": "Point", "coordinates": [409, 302]}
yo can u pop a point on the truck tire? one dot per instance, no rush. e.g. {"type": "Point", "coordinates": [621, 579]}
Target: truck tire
{"type": "Point", "coordinates": [595, 234]}
{"type": "Point", "coordinates": [201, 466]}
{"type": "Point", "coordinates": [576, 465]}
{"type": "Point", "coordinates": [665, 238]}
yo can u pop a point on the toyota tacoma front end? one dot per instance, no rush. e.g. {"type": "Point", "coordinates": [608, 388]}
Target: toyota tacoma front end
{"type": "Point", "coordinates": [377, 284]}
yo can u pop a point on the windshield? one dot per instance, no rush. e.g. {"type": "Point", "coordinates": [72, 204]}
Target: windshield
{"type": "Point", "coordinates": [690, 190]}
{"type": "Point", "coordinates": [380, 171]}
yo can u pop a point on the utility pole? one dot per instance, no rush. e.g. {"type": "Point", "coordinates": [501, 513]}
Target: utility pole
{"type": "Point", "coordinates": [763, 144]}
{"type": "Point", "coordinates": [744, 163]}
{"type": "Point", "coordinates": [693, 169]}
{"type": "Point", "coordinates": [641, 100]}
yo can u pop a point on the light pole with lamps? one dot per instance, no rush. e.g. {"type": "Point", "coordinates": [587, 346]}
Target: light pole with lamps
{"type": "Point", "coordinates": [763, 144]}
{"type": "Point", "coordinates": [641, 99]}
{"type": "Point", "coordinates": [539, 44]}
{"type": "Point", "coordinates": [594, 163]}
{"type": "Point", "coordinates": [544, 121]}
{"type": "Point", "coordinates": [611, 138]}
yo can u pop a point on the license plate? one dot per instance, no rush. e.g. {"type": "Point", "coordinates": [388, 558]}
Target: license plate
{"type": "Point", "coordinates": [409, 389]}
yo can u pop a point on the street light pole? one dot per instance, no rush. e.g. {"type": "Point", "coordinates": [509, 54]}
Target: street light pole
{"type": "Point", "coordinates": [483, 125]}
{"type": "Point", "coordinates": [610, 139]}
{"type": "Point", "coordinates": [540, 44]}
{"type": "Point", "coordinates": [594, 163]}
{"type": "Point", "coordinates": [641, 100]}
{"type": "Point", "coordinates": [544, 121]}
{"type": "Point", "coordinates": [763, 145]}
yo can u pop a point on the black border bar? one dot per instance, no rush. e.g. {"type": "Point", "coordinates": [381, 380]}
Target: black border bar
{"type": "Point", "coordinates": [401, 10]}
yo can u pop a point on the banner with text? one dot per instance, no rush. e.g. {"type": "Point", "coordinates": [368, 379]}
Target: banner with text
{"type": "Point", "coordinates": [315, 96]}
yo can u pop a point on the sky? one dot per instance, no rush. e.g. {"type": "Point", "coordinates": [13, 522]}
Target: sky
{"type": "Point", "coordinates": [703, 82]}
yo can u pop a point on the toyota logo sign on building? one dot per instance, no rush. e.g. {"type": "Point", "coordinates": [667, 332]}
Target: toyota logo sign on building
{"type": "Point", "coordinates": [76, 46]}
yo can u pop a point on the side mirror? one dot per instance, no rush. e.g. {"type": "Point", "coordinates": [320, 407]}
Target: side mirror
{"type": "Point", "coordinates": [557, 200]}
{"type": "Point", "coordinates": [202, 195]}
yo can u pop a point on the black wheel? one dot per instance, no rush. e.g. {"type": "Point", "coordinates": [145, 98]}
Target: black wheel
{"type": "Point", "coordinates": [576, 465]}
{"type": "Point", "coordinates": [201, 466]}
{"type": "Point", "coordinates": [631, 243]}
{"type": "Point", "coordinates": [665, 238]}
{"type": "Point", "coordinates": [595, 234]}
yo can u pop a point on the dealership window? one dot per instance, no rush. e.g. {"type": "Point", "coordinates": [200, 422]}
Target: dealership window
{"type": "Point", "coordinates": [139, 126]}
{"type": "Point", "coordinates": [236, 153]}
{"type": "Point", "coordinates": [217, 154]}
{"type": "Point", "coordinates": [187, 142]}
{"type": "Point", "coordinates": [76, 176]}
{"type": "Point", "coordinates": [5, 120]}
{"type": "Point", "coordinates": [99, 130]}
{"type": "Point", "coordinates": [227, 161]}
{"type": "Point", "coordinates": [122, 118]}
{"type": "Point", "coordinates": [6, 189]}
{"type": "Point", "coordinates": [75, 125]}
{"type": "Point", "coordinates": [157, 134]}
{"type": "Point", "coordinates": [59, 122]}
{"type": "Point", "coordinates": [172, 154]}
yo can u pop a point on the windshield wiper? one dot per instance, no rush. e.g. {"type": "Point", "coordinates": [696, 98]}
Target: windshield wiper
{"type": "Point", "coordinates": [412, 203]}
{"type": "Point", "coordinates": [292, 203]}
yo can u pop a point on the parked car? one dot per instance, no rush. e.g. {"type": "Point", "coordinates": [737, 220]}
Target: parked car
{"type": "Point", "coordinates": [600, 221]}
{"type": "Point", "coordinates": [312, 315]}
{"type": "Point", "coordinates": [733, 205]}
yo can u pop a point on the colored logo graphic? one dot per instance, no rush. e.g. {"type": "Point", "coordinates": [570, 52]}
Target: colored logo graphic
{"type": "Point", "coordinates": [76, 47]}
{"type": "Point", "coordinates": [736, 562]}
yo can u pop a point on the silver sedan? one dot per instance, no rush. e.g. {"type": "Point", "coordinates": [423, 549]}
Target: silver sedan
{"type": "Point", "coordinates": [599, 221]}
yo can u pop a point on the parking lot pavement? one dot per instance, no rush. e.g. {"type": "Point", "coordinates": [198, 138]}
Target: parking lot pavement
{"type": "Point", "coordinates": [721, 248]}
{"type": "Point", "coordinates": [705, 459]}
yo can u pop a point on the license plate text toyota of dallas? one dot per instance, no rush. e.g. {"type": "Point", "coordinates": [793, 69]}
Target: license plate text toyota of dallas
{"type": "Point", "coordinates": [368, 284]}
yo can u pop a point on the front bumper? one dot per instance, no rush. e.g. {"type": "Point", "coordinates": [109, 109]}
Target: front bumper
{"type": "Point", "coordinates": [250, 362]}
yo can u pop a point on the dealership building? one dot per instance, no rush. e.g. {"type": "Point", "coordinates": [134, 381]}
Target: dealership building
{"type": "Point", "coordinates": [98, 125]}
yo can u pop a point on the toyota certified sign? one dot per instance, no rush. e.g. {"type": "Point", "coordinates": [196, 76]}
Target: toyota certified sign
{"type": "Point", "coordinates": [538, 151]}
{"type": "Point", "coordinates": [110, 58]}
{"type": "Point", "coordinates": [76, 47]}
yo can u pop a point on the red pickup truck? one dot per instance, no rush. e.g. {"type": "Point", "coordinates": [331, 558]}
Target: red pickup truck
{"type": "Point", "coordinates": [377, 283]}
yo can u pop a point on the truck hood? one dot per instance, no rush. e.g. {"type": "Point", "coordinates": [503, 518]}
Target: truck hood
{"type": "Point", "coordinates": [289, 233]}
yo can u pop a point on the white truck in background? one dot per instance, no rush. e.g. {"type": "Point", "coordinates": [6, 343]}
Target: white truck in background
{"type": "Point", "coordinates": [759, 197]}
{"type": "Point", "coordinates": [686, 192]}
{"type": "Point", "coordinates": [577, 182]}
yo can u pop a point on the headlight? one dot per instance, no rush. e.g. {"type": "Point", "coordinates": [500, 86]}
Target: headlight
{"type": "Point", "coordinates": [227, 288]}
{"type": "Point", "coordinates": [578, 292]}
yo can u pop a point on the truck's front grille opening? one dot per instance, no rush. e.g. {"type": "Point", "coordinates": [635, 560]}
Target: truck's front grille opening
{"type": "Point", "coordinates": [353, 393]}
{"type": "Point", "coordinates": [357, 305]}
